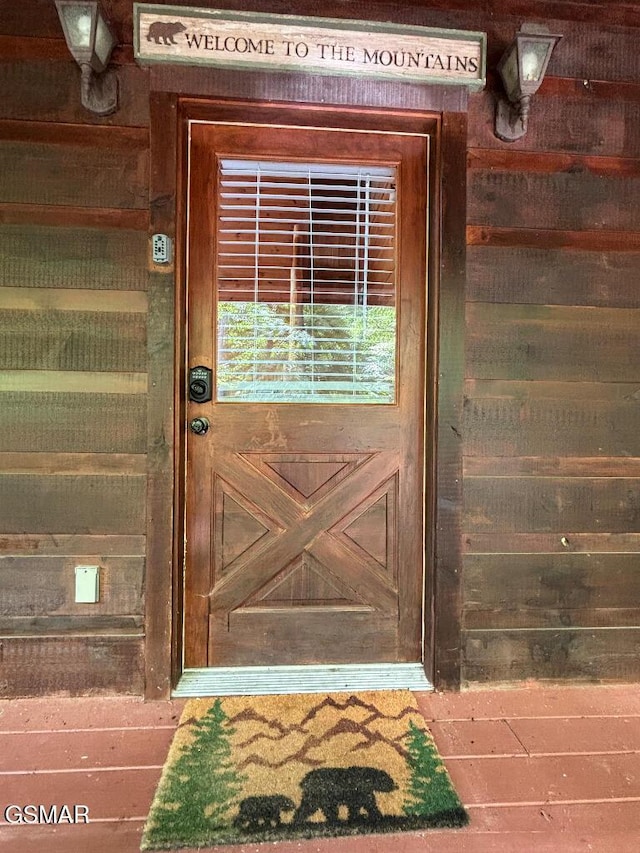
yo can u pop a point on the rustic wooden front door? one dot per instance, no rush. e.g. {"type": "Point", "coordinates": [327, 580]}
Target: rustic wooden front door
{"type": "Point", "coordinates": [306, 259]}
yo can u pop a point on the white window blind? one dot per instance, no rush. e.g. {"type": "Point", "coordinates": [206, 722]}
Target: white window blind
{"type": "Point", "coordinates": [305, 272]}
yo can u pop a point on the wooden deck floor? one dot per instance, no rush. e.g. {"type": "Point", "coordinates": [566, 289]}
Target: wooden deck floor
{"type": "Point", "coordinates": [540, 769]}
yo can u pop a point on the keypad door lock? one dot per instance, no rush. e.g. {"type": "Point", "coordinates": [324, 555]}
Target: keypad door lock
{"type": "Point", "coordinates": [200, 384]}
{"type": "Point", "coordinates": [199, 426]}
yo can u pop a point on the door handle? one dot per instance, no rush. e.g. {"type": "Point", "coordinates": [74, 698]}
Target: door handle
{"type": "Point", "coordinates": [199, 426]}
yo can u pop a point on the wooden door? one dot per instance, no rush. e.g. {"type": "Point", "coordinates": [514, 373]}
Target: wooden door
{"type": "Point", "coordinates": [306, 298]}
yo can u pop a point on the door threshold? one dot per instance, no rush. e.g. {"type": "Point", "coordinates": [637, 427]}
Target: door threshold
{"type": "Point", "coordinates": [316, 678]}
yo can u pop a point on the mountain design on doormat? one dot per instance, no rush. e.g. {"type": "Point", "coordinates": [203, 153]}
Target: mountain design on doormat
{"type": "Point", "coordinates": [269, 767]}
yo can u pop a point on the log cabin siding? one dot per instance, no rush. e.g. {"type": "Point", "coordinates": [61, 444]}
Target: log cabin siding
{"type": "Point", "coordinates": [551, 523]}
{"type": "Point", "coordinates": [552, 391]}
{"type": "Point", "coordinates": [73, 375]}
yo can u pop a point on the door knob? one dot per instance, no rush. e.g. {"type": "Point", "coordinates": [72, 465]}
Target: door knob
{"type": "Point", "coordinates": [199, 426]}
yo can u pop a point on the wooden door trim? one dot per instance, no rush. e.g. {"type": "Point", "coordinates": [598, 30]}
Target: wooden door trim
{"type": "Point", "coordinates": [447, 334]}
{"type": "Point", "coordinates": [445, 341]}
{"type": "Point", "coordinates": [162, 602]}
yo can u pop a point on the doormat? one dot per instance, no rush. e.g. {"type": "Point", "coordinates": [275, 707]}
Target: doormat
{"type": "Point", "coordinates": [263, 768]}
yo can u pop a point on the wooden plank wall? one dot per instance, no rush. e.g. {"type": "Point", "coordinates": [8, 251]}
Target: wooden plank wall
{"type": "Point", "coordinates": [551, 528]}
{"type": "Point", "coordinates": [552, 390]}
{"type": "Point", "coordinates": [73, 369]}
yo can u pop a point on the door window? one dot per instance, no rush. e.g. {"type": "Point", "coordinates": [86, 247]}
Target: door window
{"type": "Point", "coordinates": [306, 289]}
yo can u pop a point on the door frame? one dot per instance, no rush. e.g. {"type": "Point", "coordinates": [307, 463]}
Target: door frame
{"type": "Point", "coordinates": [170, 116]}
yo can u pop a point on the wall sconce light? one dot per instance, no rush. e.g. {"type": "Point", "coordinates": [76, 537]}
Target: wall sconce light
{"type": "Point", "coordinates": [90, 42]}
{"type": "Point", "coordinates": [522, 69]}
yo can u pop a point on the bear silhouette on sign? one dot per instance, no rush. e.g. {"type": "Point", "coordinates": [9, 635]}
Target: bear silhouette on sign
{"type": "Point", "coordinates": [161, 30]}
{"type": "Point", "coordinates": [328, 788]}
{"type": "Point", "coordinates": [258, 813]}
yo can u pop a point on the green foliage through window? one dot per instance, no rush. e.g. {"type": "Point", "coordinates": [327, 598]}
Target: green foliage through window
{"type": "Point", "coordinates": [306, 353]}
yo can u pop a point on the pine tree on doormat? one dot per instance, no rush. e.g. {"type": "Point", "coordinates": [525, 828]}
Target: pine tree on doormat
{"type": "Point", "coordinates": [189, 809]}
{"type": "Point", "coordinates": [431, 798]}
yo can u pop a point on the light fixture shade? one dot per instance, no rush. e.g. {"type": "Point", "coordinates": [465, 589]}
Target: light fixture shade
{"type": "Point", "coordinates": [90, 42]}
{"type": "Point", "coordinates": [524, 63]}
{"type": "Point", "coordinates": [522, 69]}
{"type": "Point", "coordinates": [88, 36]}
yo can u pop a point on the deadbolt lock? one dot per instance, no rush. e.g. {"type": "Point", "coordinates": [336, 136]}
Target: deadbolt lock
{"type": "Point", "coordinates": [200, 384]}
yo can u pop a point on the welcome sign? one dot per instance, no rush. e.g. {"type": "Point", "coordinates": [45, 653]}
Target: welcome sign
{"type": "Point", "coordinates": [247, 40]}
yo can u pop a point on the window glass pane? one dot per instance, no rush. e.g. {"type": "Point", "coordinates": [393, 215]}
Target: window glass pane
{"type": "Point", "coordinates": [306, 307]}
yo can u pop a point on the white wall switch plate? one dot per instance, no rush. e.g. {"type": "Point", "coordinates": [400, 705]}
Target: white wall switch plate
{"type": "Point", "coordinates": [87, 584]}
